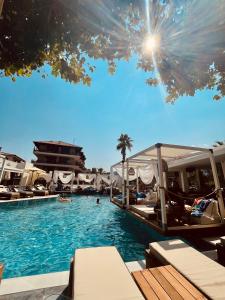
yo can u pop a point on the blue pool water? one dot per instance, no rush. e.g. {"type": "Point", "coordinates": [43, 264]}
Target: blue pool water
{"type": "Point", "coordinates": [41, 236]}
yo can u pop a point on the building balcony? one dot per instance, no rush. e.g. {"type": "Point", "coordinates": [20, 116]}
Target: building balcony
{"type": "Point", "coordinates": [57, 165]}
{"type": "Point", "coordinates": [12, 166]}
{"type": "Point", "coordinates": [41, 153]}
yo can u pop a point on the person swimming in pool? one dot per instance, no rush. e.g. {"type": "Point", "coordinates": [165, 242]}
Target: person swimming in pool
{"type": "Point", "coordinates": [97, 201]}
{"type": "Point", "coordinates": [63, 199]}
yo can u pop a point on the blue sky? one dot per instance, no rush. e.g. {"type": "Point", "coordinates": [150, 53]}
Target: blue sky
{"type": "Point", "coordinates": [94, 117]}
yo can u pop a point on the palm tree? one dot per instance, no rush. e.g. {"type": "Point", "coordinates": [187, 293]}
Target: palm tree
{"type": "Point", "coordinates": [125, 142]}
{"type": "Point", "coordinates": [218, 143]}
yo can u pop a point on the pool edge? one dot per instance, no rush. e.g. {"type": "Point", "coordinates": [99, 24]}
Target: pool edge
{"type": "Point", "coordinates": [28, 283]}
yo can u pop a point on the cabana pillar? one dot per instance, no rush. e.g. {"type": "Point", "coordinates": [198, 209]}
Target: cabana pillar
{"type": "Point", "coordinates": [137, 181]}
{"type": "Point", "coordinates": [3, 168]}
{"type": "Point", "coordinates": [183, 180]}
{"type": "Point", "coordinates": [161, 188]}
{"type": "Point", "coordinates": [1, 7]}
{"type": "Point", "coordinates": [217, 185]}
{"type": "Point", "coordinates": [197, 176]}
{"type": "Point", "coordinates": [127, 185]}
{"type": "Point", "coordinates": [165, 180]}
{"type": "Point", "coordinates": [223, 168]}
{"type": "Point", "coordinates": [123, 184]}
{"type": "Point", "coordinates": [111, 183]}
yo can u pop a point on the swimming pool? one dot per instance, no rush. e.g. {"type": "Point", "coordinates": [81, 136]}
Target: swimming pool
{"type": "Point", "coordinates": [40, 236]}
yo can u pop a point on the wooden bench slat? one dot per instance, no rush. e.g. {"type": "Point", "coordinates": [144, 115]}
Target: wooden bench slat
{"type": "Point", "coordinates": [174, 295]}
{"type": "Point", "coordinates": [188, 285]}
{"type": "Point", "coordinates": [1, 271]}
{"type": "Point", "coordinates": [160, 292]}
{"type": "Point", "coordinates": [144, 286]}
{"type": "Point", "coordinates": [179, 287]}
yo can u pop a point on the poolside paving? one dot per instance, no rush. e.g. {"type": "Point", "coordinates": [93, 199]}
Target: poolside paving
{"type": "Point", "coordinates": [49, 286]}
{"type": "Point", "coordinates": [52, 293]}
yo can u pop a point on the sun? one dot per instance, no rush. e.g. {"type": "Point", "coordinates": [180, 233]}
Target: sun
{"type": "Point", "coordinates": [151, 43]}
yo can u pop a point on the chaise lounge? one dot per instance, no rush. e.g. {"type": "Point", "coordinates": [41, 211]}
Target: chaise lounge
{"type": "Point", "coordinates": [100, 274]}
{"type": "Point", "coordinates": [38, 191]}
{"type": "Point", "coordinates": [207, 275]}
{"type": "Point", "coordinates": [6, 194]}
{"type": "Point", "coordinates": [23, 193]}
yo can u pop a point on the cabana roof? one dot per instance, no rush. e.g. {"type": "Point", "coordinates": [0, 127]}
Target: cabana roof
{"type": "Point", "coordinates": [168, 152]}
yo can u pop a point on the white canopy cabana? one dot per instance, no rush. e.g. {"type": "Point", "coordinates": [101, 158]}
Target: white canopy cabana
{"type": "Point", "coordinates": [95, 179]}
{"type": "Point", "coordinates": [65, 177]}
{"type": "Point", "coordinates": [150, 161]}
{"type": "Point", "coordinates": [88, 178]}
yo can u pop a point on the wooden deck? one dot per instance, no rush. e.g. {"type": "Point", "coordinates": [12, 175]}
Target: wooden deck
{"type": "Point", "coordinates": [181, 230]}
{"type": "Point", "coordinates": [186, 230]}
{"type": "Point", "coordinates": [165, 283]}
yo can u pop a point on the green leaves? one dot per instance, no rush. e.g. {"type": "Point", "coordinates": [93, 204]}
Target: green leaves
{"type": "Point", "coordinates": [67, 34]}
{"type": "Point", "coordinates": [152, 81]}
{"type": "Point", "coordinates": [112, 68]}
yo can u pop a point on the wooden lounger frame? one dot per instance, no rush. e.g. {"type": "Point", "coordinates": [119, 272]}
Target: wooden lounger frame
{"type": "Point", "coordinates": [165, 283]}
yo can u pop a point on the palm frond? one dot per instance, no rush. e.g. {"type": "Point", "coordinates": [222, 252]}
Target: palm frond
{"type": "Point", "coordinates": [125, 142]}
{"type": "Point", "coordinates": [219, 143]}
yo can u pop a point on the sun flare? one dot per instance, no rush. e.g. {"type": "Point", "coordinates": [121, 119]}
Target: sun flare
{"type": "Point", "coordinates": [151, 43]}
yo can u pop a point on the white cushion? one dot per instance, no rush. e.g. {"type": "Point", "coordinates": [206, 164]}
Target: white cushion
{"type": "Point", "coordinates": [222, 240]}
{"type": "Point", "coordinates": [100, 274]}
{"type": "Point", "coordinates": [3, 189]}
{"type": "Point", "coordinates": [206, 274]}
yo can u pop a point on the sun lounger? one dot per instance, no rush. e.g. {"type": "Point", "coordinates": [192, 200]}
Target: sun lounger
{"type": "Point", "coordinates": [38, 192]}
{"type": "Point", "coordinates": [6, 194]}
{"type": "Point", "coordinates": [100, 274]}
{"type": "Point", "coordinates": [41, 189]}
{"type": "Point", "coordinates": [143, 210]}
{"type": "Point", "coordinates": [150, 199]}
{"type": "Point", "coordinates": [118, 201]}
{"type": "Point", "coordinates": [220, 247]}
{"type": "Point", "coordinates": [23, 193]}
{"type": "Point", "coordinates": [222, 240]}
{"type": "Point", "coordinates": [207, 275]}
{"type": "Point", "coordinates": [26, 194]}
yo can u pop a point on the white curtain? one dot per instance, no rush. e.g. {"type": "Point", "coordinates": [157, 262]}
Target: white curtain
{"type": "Point", "coordinates": [117, 180]}
{"type": "Point", "coordinates": [105, 179]}
{"type": "Point", "coordinates": [98, 182]}
{"type": "Point", "coordinates": [102, 178]}
{"type": "Point", "coordinates": [7, 175]}
{"type": "Point", "coordinates": [55, 176]}
{"type": "Point", "coordinates": [131, 177]}
{"type": "Point", "coordinates": [146, 174]}
{"type": "Point", "coordinates": [65, 177]}
{"type": "Point", "coordinates": [88, 178]}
